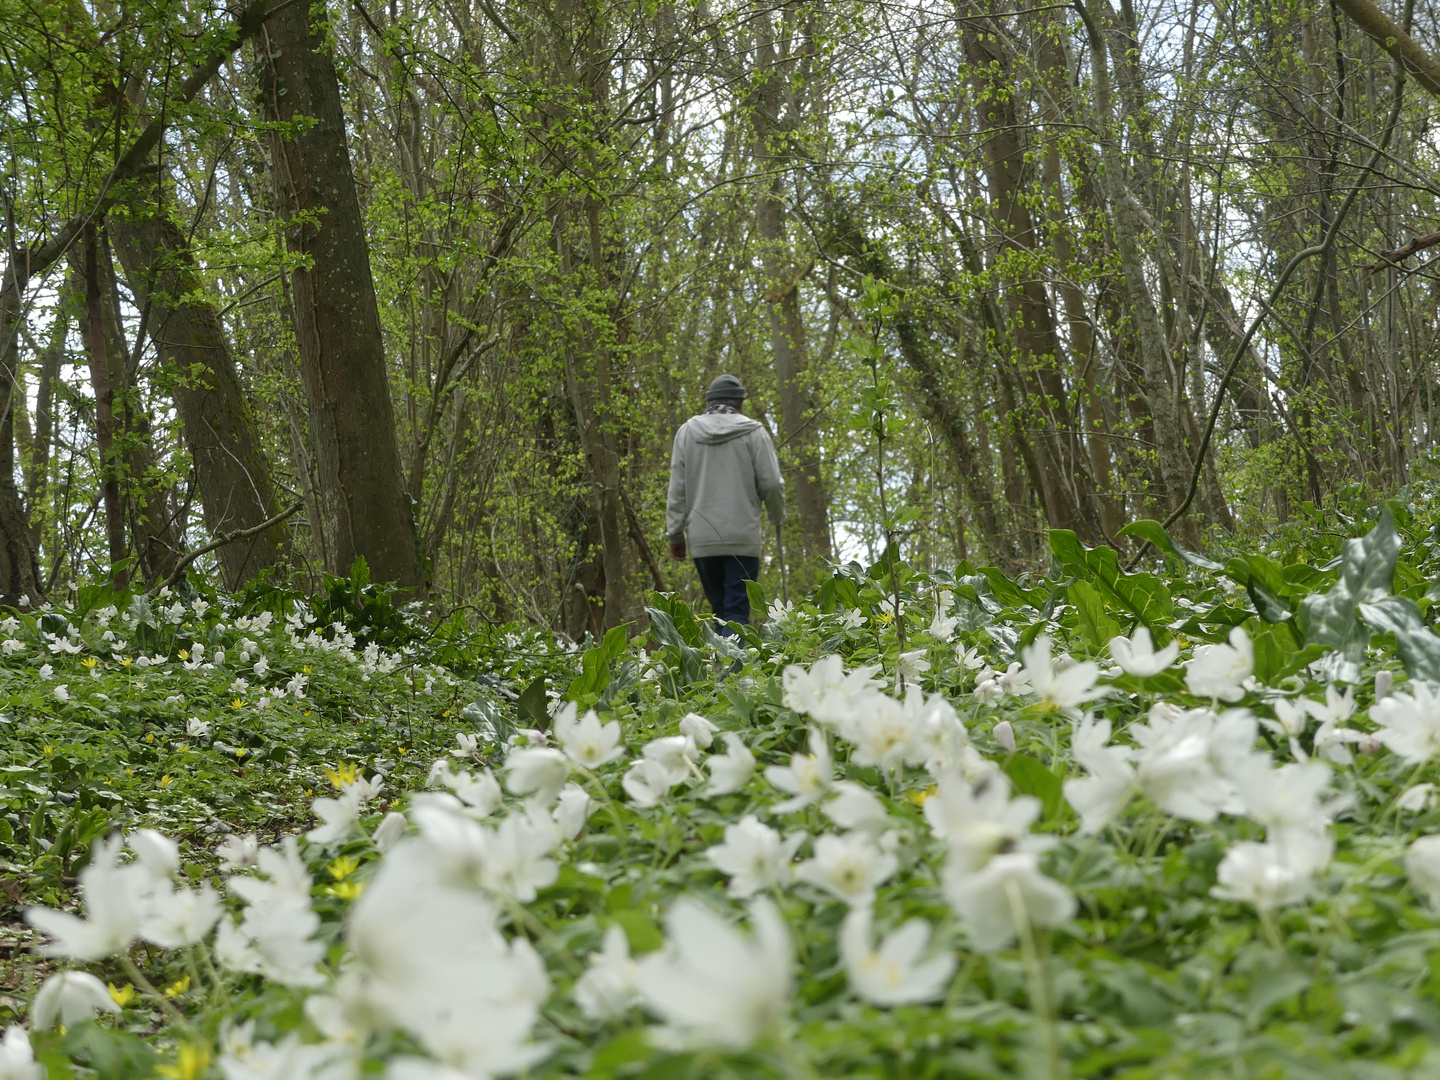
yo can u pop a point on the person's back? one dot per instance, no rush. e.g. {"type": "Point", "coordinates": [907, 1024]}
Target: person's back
{"type": "Point", "coordinates": [723, 469]}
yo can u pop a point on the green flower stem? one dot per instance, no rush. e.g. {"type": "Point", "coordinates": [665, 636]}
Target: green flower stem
{"type": "Point", "coordinates": [148, 989]}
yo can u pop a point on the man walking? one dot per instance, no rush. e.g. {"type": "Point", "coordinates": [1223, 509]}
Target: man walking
{"type": "Point", "coordinates": [722, 468]}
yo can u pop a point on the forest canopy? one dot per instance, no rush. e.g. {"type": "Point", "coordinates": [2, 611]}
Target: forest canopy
{"type": "Point", "coordinates": [434, 283]}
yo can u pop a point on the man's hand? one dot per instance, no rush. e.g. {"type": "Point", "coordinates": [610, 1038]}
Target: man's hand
{"type": "Point", "coordinates": [677, 551]}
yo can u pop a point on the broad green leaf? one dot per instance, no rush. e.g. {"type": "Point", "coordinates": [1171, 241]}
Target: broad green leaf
{"type": "Point", "coordinates": [1154, 532]}
{"type": "Point", "coordinates": [1031, 777]}
{"type": "Point", "coordinates": [1143, 596]}
{"type": "Point", "coordinates": [1418, 645]}
{"type": "Point", "coordinates": [1097, 626]}
{"type": "Point", "coordinates": [1367, 567]}
{"type": "Point", "coordinates": [595, 666]}
{"type": "Point", "coordinates": [1269, 606]}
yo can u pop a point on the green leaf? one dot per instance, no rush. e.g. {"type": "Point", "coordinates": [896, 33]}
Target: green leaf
{"type": "Point", "coordinates": [756, 595]}
{"type": "Point", "coordinates": [1418, 645]}
{"type": "Point", "coordinates": [595, 666]}
{"type": "Point", "coordinates": [532, 703]}
{"type": "Point", "coordinates": [1030, 776]}
{"type": "Point", "coordinates": [1143, 596]}
{"type": "Point", "coordinates": [1367, 568]}
{"type": "Point", "coordinates": [1154, 532]}
{"type": "Point", "coordinates": [644, 935]}
{"type": "Point", "coordinates": [1097, 626]}
{"type": "Point", "coordinates": [1269, 606]}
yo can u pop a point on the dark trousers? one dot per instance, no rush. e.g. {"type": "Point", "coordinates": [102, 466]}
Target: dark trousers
{"type": "Point", "coordinates": [723, 578]}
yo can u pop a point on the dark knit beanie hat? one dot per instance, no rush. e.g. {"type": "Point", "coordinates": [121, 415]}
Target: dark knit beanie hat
{"type": "Point", "coordinates": [726, 388]}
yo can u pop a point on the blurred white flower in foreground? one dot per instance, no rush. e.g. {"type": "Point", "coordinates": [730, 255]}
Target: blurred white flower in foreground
{"type": "Point", "coordinates": [1417, 799]}
{"type": "Point", "coordinates": [1136, 654]}
{"type": "Point", "coordinates": [850, 867]}
{"type": "Point", "coordinates": [1009, 891]}
{"type": "Point", "coordinates": [1063, 687]}
{"type": "Point", "coordinates": [1258, 874]}
{"type": "Point", "coordinates": [755, 857]}
{"type": "Point", "coordinates": [238, 852]}
{"type": "Point", "coordinates": [438, 967]}
{"type": "Point", "coordinates": [572, 810]}
{"type": "Point", "coordinates": [712, 984]}
{"type": "Point", "coordinates": [607, 988]}
{"type": "Point", "coordinates": [17, 1059]}
{"type": "Point", "coordinates": [730, 771]}
{"type": "Point", "coordinates": [806, 778]}
{"type": "Point", "coordinates": [538, 771]}
{"type": "Point", "coordinates": [698, 730]}
{"type": "Point", "coordinates": [339, 816]}
{"type": "Point", "coordinates": [647, 782]}
{"type": "Point", "coordinates": [1098, 797]}
{"type": "Point", "coordinates": [113, 902]}
{"type": "Point", "coordinates": [1219, 672]}
{"type": "Point", "coordinates": [855, 806]}
{"type": "Point", "coordinates": [71, 997]}
{"type": "Point", "coordinates": [824, 692]}
{"type": "Point", "coordinates": [892, 973]}
{"type": "Point", "coordinates": [1422, 864]}
{"type": "Point", "coordinates": [1410, 722]}
{"type": "Point", "coordinates": [981, 822]}
{"type": "Point", "coordinates": [586, 741]}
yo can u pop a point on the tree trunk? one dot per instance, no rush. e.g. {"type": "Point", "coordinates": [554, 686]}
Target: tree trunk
{"type": "Point", "coordinates": [360, 481]}
{"type": "Point", "coordinates": [122, 429]}
{"type": "Point", "coordinates": [230, 469]}
{"type": "Point", "coordinates": [1062, 475]}
{"type": "Point", "coordinates": [97, 346]}
{"type": "Point", "coordinates": [19, 569]}
{"type": "Point", "coordinates": [799, 440]}
{"type": "Point", "coordinates": [37, 466]}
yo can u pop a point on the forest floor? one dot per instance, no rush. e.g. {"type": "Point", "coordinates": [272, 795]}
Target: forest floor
{"type": "Point", "coordinates": [1096, 823]}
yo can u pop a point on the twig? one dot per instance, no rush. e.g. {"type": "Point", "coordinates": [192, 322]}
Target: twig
{"type": "Point", "coordinates": [220, 541]}
{"type": "Point", "coordinates": [1390, 258]}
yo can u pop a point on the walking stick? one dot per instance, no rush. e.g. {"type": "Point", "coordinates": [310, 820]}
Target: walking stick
{"type": "Point", "coordinates": [784, 574]}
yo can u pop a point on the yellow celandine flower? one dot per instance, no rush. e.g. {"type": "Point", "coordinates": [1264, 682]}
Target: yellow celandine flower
{"type": "Point", "coordinates": [241, 751]}
{"type": "Point", "coordinates": [343, 867]}
{"type": "Point", "coordinates": [886, 617]}
{"type": "Point", "coordinates": [48, 750]}
{"type": "Point", "coordinates": [166, 781]}
{"type": "Point", "coordinates": [347, 890]}
{"type": "Point", "coordinates": [124, 661]}
{"type": "Point", "coordinates": [178, 987]}
{"type": "Point", "coordinates": [129, 771]}
{"type": "Point", "coordinates": [121, 995]}
{"type": "Point", "coordinates": [89, 663]}
{"type": "Point", "coordinates": [191, 1063]}
{"type": "Point", "coordinates": [343, 775]}
{"type": "Point", "coordinates": [445, 713]}
{"type": "Point", "coordinates": [307, 670]}
{"type": "Point", "coordinates": [309, 792]}
{"type": "Point", "coordinates": [150, 736]}
{"type": "Point", "coordinates": [919, 797]}
{"type": "Point", "coordinates": [184, 654]}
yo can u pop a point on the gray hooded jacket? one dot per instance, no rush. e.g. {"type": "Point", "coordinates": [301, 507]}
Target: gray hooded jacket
{"type": "Point", "coordinates": [722, 468]}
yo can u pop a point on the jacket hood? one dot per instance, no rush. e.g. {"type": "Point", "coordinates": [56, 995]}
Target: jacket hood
{"type": "Point", "coordinates": [711, 428]}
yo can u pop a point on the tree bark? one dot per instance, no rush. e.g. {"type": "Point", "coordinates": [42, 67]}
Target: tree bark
{"type": "Point", "coordinates": [97, 346]}
{"type": "Point", "coordinates": [236, 491]}
{"type": "Point", "coordinates": [1065, 486]}
{"type": "Point", "coordinates": [360, 480]}
{"type": "Point", "coordinates": [799, 441]}
{"type": "Point", "coordinates": [122, 429]}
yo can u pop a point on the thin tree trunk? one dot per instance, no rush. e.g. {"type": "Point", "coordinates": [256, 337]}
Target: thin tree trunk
{"type": "Point", "coordinates": [232, 474]}
{"type": "Point", "coordinates": [799, 441]}
{"type": "Point", "coordinates": [97, 347]}
{"type": "Point", "coordinates": [360, 481]}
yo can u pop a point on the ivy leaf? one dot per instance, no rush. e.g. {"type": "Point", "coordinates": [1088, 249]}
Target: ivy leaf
{"type": "Point", "coordinates": [1367, 567]}
{"type": "Point", "coordinates": [1419, 646]}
